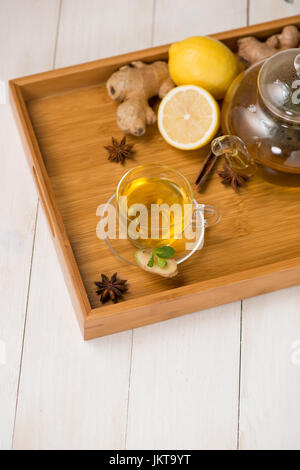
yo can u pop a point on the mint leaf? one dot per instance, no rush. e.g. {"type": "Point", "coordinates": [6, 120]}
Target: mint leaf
{"type": "Point", "coordinates": [159, 255]}
{"type": "Point", "coordinates": [165, 252]}
{"type": "Point", "coordinates": [162, 263]}
{"type": "Point", "coordinates": [150, 263]}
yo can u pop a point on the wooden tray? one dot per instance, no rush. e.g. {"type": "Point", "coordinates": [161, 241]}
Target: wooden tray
{"type": "Point", "coordinates": [65, 118]}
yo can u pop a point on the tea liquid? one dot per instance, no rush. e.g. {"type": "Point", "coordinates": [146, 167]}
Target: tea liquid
{"type": "Point", "coordinates": [168, 224]}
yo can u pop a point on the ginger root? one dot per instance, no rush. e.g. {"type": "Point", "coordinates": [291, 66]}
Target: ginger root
{"type": "Point", "coordinates": [132, 86]}
{"type": "Point", "coordinates": [142, 258]}
{"type": "Point", "coordinates": [252, 50]}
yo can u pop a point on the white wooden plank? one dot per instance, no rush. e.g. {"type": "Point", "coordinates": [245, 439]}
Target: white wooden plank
{"type": "Point", "coordinates": [185, 381]}
{"type": "Point", "coordinates": [27, 36]}
{"type": "Point", "coordinates": [267, 10]}
{"type": "Point", "coordinates": [73, 395]}
{"type": "Point", "coordinates": [270, 384]}
{"type": "Point", "coordinates": [21, 53]}
{"type": "Point", "coordinates": [270, 381]}
{"type": "Point", "coordinates": [93, 29]}
{"type": "Point", "coordinates": [175, 19]}
{"type": "Point", "coordinates": [17, 208]}
{"type": "Point", "coordinates": [185, 373]}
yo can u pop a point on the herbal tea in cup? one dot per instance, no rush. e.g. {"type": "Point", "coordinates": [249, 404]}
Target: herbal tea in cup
{"type": "Point", "coordinates": [156, 206]}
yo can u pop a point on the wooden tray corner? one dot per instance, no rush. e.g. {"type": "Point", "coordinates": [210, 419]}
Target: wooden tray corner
{"type": "Point", "coordinates": [65, 118]}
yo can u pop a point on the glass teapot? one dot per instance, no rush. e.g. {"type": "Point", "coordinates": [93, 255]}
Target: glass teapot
{"type": "Point", "coordinates": [261, 117]}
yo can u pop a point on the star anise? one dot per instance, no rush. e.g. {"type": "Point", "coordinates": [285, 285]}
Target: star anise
{"type": "Point", "coordinates": [112, 288]}
{"type": "Point", "coordinates": [229, 176]}
{"type": "Point", "coordinates": [119, 151]}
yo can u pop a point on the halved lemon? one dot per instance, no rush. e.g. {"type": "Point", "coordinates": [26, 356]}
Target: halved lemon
{"type": "Point", "coordinates": [188, 117]}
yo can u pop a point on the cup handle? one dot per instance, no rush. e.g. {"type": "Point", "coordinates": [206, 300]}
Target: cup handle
{"type": "Point", "coordinates": [211, 214]}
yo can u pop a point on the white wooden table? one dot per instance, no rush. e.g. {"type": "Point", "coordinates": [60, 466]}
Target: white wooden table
{"type": "Point", "coordinates": [225, 378]}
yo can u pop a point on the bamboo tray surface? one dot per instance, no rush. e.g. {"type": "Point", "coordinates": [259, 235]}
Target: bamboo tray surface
{"type": "Point", "coordinates": [65, 118]}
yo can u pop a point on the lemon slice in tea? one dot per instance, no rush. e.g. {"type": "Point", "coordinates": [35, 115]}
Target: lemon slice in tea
{"type": "Point", "coordinates": [188, 117]}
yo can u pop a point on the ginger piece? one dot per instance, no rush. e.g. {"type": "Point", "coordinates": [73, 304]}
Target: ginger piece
{"type": "Point", "coordinates": [252, 50]}
{"type": "Point", "coordinates": [288, 39]}
{"type": "Point", "coordinates": [132, 86]}
{"type": "Point", "coordinates": [170, 270]}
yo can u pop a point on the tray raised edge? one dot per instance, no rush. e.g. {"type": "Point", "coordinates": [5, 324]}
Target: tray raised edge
{"type": "Point", "coordinates": [154, 307]}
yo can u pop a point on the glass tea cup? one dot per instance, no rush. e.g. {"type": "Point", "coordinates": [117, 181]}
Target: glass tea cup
{"type": "Point", "coordinates": [156, 207]}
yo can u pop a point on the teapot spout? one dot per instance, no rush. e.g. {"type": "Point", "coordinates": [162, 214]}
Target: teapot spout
{"type": "Point", "coordinates": [235, 153]}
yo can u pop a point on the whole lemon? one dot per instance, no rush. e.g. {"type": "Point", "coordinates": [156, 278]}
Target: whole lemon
{"type": "Point", "coordinates": [205, 62]}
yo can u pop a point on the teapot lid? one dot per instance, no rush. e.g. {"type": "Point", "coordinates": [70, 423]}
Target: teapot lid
{"type": "Point", "coordinates": [279, 84]}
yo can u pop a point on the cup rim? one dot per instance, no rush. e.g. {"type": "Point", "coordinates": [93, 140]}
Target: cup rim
{"type": "Point", "coordinates": [157, 165]}
{"type": "Point", "coordinates": [185, 256]}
